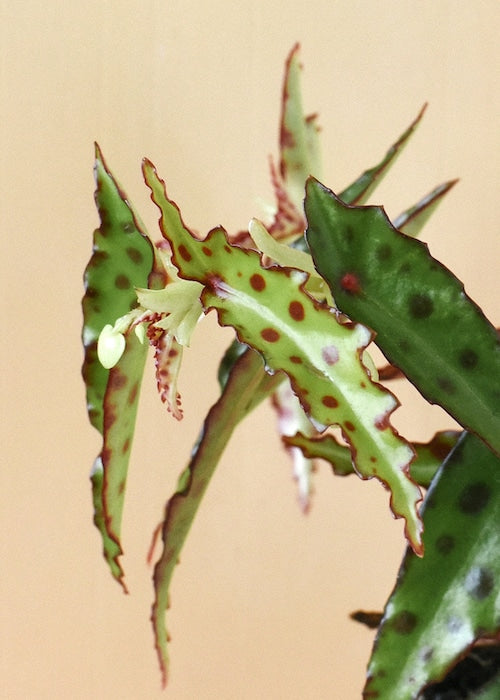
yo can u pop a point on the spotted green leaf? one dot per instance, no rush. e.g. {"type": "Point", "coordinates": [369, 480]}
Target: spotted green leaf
{"type": "Point", "coordinates": [270, 312]}
{"type": "Point", "coordinates": [122, 258]}
{"type": "Point", "coordinates": [424, 321]}
{"type": "Point", "coordinates": [446, 601]}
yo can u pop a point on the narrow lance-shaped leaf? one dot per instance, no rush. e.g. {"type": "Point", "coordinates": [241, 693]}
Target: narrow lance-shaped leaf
{"type": "Point", "coordinates": [425, 323]}
{"type": "Point", "coordinates": [449, 599]}
{"type": "Point", "coordinates": [361, 189]}
{"type": "Point", "coordinates": [245, 385]}
{"type": "Point", "coordinates": [270, 311]}
{"type": "Point", "coordinates": [414, 219]}
{"type": "Point", "coordinates": [122, 258]}
{"type": "Point", "coordinates": [299, 144]}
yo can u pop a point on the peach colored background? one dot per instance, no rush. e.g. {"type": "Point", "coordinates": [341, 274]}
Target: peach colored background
{"type": "Point", "coordinates": [261, 598]}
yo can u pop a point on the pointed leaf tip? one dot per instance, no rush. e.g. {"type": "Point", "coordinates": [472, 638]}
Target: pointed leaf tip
{"type": "Point", "coordinates": [362, 188]}
{"type": "Point", "coordinates": [122, 258]}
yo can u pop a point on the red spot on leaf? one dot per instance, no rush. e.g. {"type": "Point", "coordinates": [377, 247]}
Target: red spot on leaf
{"type": "Point", "coordinates": [296, 311]}
{"type": "Point", "coordinates": [184, 253]}
{"type": "Point", "coordinates": [122, 282]}
{"type": "Point", "coordinates": [257, 282]}
{"type": "Point", "coordinates": [126, 446]}
{"type": "Point", "coordinates": [134, 255]}
{"type": "Point", "coordinates": [350, 283]}
{"type": "Point", "coordinates": [286, 138]}
{"type": "Point", "coordinates": [329, 401]}
{"type": "Point", "coordinates": [270, 334]}
{"type": "Point", "coordinates": [133, 393]}
{"type": "Point", "coordinates": [350, 426]}
{"type": "Point", "coordinates": [296, 360]}
{"type": "Point", "coordinates": [206, 250]}
{"type": "Point", "coordinates": [117, 380]}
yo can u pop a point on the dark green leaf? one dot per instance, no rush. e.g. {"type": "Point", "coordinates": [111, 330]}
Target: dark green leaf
{"type": "Point", "coordinates": [425, 323]}
{"type": "Point", "coordinates": [447, 600]}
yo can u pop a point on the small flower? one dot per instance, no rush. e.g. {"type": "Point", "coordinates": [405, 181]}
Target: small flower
{"type": "Point", "coordinates": [111, 342]}
{"type": "Point", "coordinates": [110, 346]}
{"type": "Point", "coordinates": [174, 310]}
{"type": "Point", "coordinates": [179, 306]}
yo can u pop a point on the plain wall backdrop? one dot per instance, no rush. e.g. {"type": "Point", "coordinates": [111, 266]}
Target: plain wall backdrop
{"type": "Point", "coordinates": [260, 601]}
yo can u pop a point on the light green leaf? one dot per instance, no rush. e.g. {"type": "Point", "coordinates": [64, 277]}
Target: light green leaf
{"type": "Point", "coordinates": [270, 312]}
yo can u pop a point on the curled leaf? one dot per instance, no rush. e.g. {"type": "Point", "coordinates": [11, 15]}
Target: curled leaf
{"type": "Point", "coordinates": [299, 147]}
{"type": "Point", "coordinates": [414, 219]}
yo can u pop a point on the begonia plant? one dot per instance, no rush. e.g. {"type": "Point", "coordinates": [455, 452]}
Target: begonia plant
{"type": "Point", "coordinates": [307, 293]}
